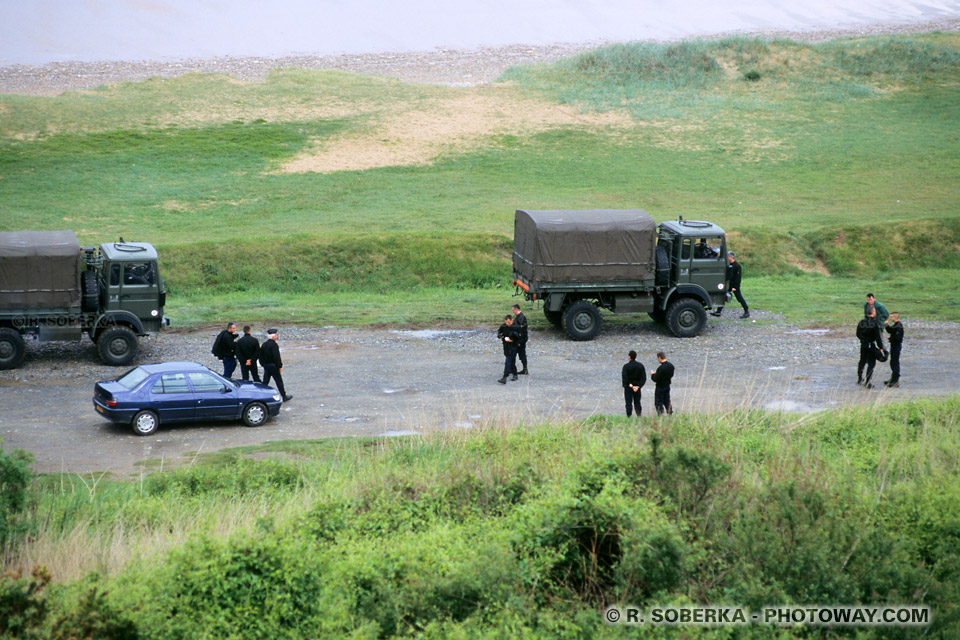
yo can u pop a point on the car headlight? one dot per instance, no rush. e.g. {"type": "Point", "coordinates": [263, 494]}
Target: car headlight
{"type": "Point", "coordinates": [277, 397]}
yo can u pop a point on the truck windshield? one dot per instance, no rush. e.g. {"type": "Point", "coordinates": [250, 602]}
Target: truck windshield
{"type": "Point", "coordinates": [133, 377]}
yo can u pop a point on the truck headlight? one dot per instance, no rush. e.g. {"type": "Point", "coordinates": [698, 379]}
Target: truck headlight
{"type": "Point", "coordinates": [720, 286]}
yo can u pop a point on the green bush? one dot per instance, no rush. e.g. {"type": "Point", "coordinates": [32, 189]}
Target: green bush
{"type": "Point", "coordinates": [15, 477]}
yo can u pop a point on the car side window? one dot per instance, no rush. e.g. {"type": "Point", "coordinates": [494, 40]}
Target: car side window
{"type": "Point", "coordinates": [205, 383]}
{"type": "Point", "coordinates": [171, 383]}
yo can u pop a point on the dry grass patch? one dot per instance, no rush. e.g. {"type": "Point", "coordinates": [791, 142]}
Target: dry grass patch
{"type": "Point", "coordinates": [416, 133]}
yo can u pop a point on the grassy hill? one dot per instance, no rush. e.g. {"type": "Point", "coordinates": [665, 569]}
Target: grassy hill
{"type": "Point", "coordinates": [834, 167]}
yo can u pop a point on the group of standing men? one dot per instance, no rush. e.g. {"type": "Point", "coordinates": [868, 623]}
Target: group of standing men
{"type": "Point", "coordinates": [634, 376]}
{"type": "Point", "coordinates": [876, 318]}
{"type": "Point", "coordinates": [513, 334]}
{"type": "Point", "coordinates": [249, 351]}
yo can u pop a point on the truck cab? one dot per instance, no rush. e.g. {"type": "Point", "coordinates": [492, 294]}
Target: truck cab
{"type": "Point", "coordinates": [133, 282]}
{"type": "Point", "coordinates": [697, 253]}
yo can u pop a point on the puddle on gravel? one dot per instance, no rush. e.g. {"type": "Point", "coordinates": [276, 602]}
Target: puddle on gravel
{"type": "Point", "coordinates": [433, 334]}
{"type": "Point", "coordinates": [809, 332]}
{"type": "Point", "coordinates": [789, 406]}
{"type": "Point", "coordinates": [398, 433]}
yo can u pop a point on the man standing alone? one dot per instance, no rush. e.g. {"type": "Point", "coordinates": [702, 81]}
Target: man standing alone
{"type": "Point", "coordinates": [895, 329]}
{"type": "Point", "coordinates": [662, 376]}
{"type": "Point", "coordinates": [248, 350]}
{"type": "Point", "coordinates": [734, 275]}
{"type": "Point", "coordinates": [633, 376]}
{"type": "Point", "coordinates": [869, 334]}
{"type": "Point", "coordinates": [272, 364]}
{"type": "Point", "coordinates": [520, 322]}
{"type": "Point", "coordinates": [225, 349]}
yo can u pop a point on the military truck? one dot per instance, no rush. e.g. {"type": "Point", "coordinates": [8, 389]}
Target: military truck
{"type": "Point", "coordinates": [576, 262]}
{"type": "Point", "coordinates": [52, 289]}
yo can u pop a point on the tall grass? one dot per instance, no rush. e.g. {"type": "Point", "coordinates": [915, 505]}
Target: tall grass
{"type": "Point", "coordinates": [487, 531]}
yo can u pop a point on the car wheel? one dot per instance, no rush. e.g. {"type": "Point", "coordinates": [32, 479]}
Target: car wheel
{"type": "Point", "coordinates": [255, 414]}
{"type": "Point", "coordinates": [686, 318]}
{"type": "Point", "coordinates": [145, 423]}
{"type": "Point", "coordinates": [117, 346]}
{"type": "Point", "coordinates": [11, 348]}
{"type": "Point", "coordinates": [582, 321]}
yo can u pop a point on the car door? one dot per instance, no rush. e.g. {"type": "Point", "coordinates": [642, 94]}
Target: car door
{"type": "Point", "coordinates": [171, 398]}
{"type": "Point", "coordinates": [215, 398]}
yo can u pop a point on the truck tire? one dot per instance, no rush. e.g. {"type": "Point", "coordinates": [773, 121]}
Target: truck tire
{"type": "Point", "coordinates": [11, 348]}
{"type": "Point", "coordinates": [686, 318]}
{"type": "Point", "coordinates": [554, 317]}
{"type": "Point", "coordinates": [663, 268]}
{"type": "Point", "coordinates": [582, 321]}
{"type": "Point", "coordinates": [91, 292]}
{"type": "Point", "coordinates": [117, 346]}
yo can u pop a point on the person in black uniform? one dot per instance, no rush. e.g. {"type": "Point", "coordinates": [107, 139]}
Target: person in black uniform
{"type": "Point", "coordinates": [633, 376]}
{"type": "Point", "coordinates": [662, 376]}
{"type": "Point", "coordinates": [520, 322]}
{"type": "Point", "coordinates": [895, 329]}
{"type": "Point", "coordinates": [225, 349]}
{"type": "Point", "coordinates": [272, 364]}
{"type": "Point", "coordinates": [734, 275]}
{"type": "Point", "coordinates": [248, 350]}
{"type": "Point", "coordinates": [869, 334]}
{"type": "Point", "coordinates": [510, 337]}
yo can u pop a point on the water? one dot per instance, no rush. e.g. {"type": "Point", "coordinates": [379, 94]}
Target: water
{"type": "Point", "coordinates": [41, 31]}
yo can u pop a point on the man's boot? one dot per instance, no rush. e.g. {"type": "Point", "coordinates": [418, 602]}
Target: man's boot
{"type": "Point", "coordinates": [513, 378]}
{"type": "Point", "coordinates": [524, 372]}
{"type": "Point", "coordinates": [502, 380]}
{"type": "Point", "coordinates": [746, 314]}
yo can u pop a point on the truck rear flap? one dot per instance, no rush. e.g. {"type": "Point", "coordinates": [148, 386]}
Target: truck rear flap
{"type": "Point", "coordinates": [595, 245]}
{"type": "Point", "coordinates": [39, 270]}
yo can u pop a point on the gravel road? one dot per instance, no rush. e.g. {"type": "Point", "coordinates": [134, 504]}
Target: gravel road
{"type": "Point", "coordinates": [358, 382]}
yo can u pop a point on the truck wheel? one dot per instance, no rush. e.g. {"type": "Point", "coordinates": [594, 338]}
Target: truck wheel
{"type": "Point", "coordinates": [553, 317]}
{"type": "Point", "coordinates": [91, 293]}
{"type": "Point", "coordinates": [582, 321]}
{"type": "Point", "coordinates": [145, 423]}
{"type": "Point", "coordinates": [686, 318]}
{"type": "Point", "coordinates": [11, 348]}
{"type": "Point", "coordinates": [659, 316]}
{"type": "Point", "coordinates": [117, 346]}
{"type": "Point", "coordinates": [663, 268]}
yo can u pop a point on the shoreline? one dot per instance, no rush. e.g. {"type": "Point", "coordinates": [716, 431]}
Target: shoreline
{"type": "Point", "coordinates": [451, 67]}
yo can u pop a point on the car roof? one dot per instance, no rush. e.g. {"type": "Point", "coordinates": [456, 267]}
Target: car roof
{"type": "Point", "coordinates": [166, 367]}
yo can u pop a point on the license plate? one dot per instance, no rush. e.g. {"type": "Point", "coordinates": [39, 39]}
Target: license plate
{"type": "Point", "coordinates": [99, 408]}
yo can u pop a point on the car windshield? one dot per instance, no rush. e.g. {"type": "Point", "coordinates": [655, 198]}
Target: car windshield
{"type": "Point", "coordinates": [133, 377]}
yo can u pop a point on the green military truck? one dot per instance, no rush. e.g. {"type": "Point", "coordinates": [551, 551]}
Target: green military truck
{"type": "Point", "coordinates": [576, 262]}
{"type": "Point", "coordinates": [52, 289]}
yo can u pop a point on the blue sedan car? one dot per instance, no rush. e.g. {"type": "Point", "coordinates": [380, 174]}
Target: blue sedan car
{"type": "Point", "coordinates": [155, 394]}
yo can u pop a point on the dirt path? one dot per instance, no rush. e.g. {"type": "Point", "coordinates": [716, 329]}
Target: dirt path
{"type": "Point", "coordinates": [376, 382]}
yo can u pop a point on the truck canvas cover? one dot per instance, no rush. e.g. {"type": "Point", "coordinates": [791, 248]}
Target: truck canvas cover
{"type": "Point", "coordinates": [39, 270]}
{"type": "Point", "coordinates": [594, 245]}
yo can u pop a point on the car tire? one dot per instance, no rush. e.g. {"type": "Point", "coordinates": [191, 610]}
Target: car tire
{"type": "Point", "coordinates": [91, 292]}
{"type": "Point", "coordinates": [117, 346]}
{"type": "Point", "coordinates": [582, 321]}
{"type": "Point", "coordinates": [553, 317]}
{"type": "Point", "coordinates": [12, 348]}
{"type": "Point", "coordinates": [145, 423]}
{"type": "Point", "coordinates": [686, 318]}
{"type": "Point", "coordinates": [255, 414]}
{"type": "Point", "coordinates": [662, 278]}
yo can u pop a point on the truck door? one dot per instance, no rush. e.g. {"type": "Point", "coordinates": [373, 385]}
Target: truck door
{"type": "Point", "coordinates": [139, 289]}
{"type": "Point", "coordinates": [708, 266]}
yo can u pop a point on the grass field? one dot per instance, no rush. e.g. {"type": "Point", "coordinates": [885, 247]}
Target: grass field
{"type": "Point", "coordinates": [815, 158]}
